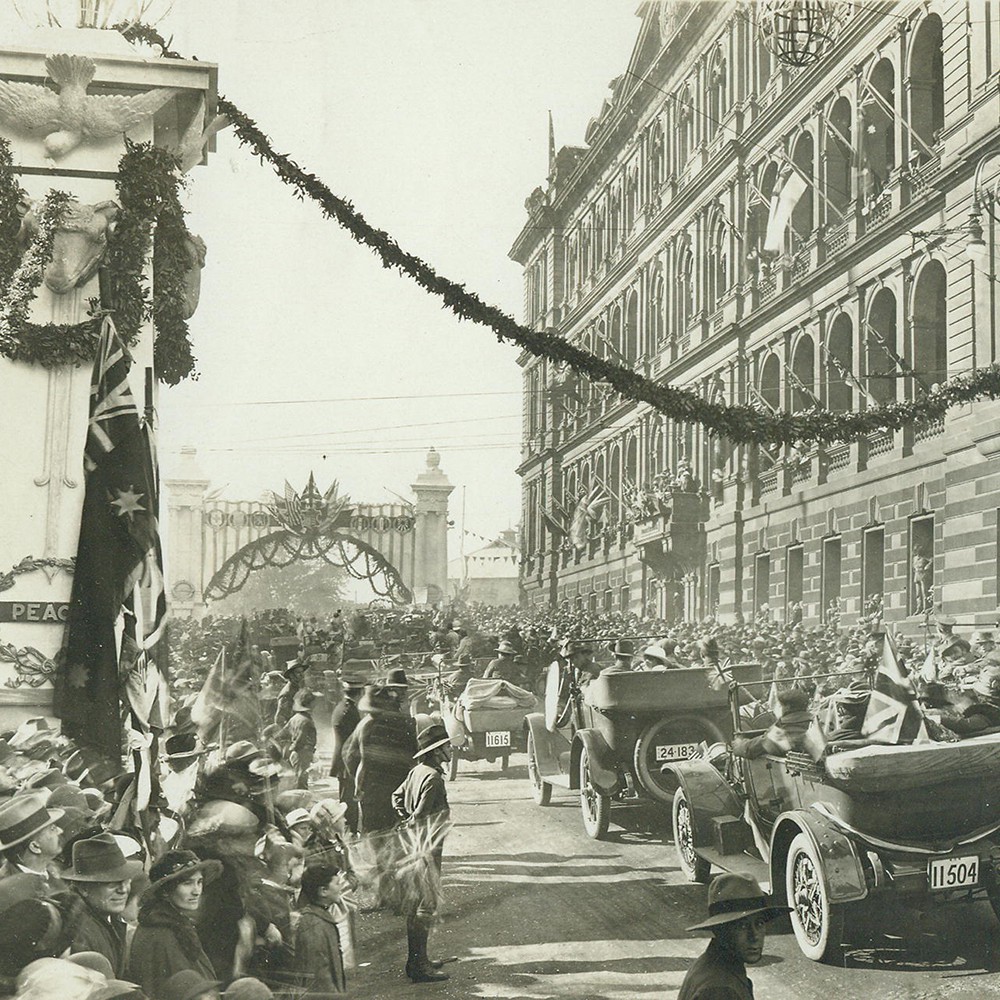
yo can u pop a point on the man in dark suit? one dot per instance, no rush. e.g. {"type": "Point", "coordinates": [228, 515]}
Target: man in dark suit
{"type": "Point", "coordinates": [344, 721]}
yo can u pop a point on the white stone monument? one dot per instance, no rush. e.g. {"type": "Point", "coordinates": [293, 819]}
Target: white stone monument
{"type": "Point", "coordinates": [67, 132]}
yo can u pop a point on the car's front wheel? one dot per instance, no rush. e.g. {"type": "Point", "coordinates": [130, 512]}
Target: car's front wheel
{"type": "Point", "coordinates": [818, 924]}
{"type": "Point", "coordinates": [695, 867]}
{"type": "Point", "coordinates": [595, 806]}
{"type": "Point", "coordinates": [541, 791]}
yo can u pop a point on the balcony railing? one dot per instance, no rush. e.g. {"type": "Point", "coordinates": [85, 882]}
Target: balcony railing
{"type": "Point", "coordinates": [931, 429]}
{"type": "Point", "coordinates": [836, 238]}
{"type": "Point", "coordinates": [879, 443]}
{"type": "Point", "coordinates": [769, 481]}
{"type": "Point", "coordinates": [838, 458]}
{"type": "Point", "coordinates": [802, 471]}
{"type": "Point", "coordinates": [921, 176]}
{"type": "Point", "coordinates": [767, 286]}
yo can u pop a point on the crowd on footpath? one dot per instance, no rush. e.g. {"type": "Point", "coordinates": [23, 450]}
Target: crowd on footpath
{"type": "Point", "coordinates": [244, 875]}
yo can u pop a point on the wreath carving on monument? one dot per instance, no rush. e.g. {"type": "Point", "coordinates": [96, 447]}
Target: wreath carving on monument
{"type": "Point", "coordinates": [33, 668]}
{"type": "Point", "coordinates": [115, 237]}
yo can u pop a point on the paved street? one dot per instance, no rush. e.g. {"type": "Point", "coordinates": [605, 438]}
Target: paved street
{"type": "Point", "coordinates": [536, 909]}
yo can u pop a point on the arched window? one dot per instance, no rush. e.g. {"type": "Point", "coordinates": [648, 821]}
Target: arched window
{"type": "Point", "coordinates": [802, 214]}
{"type": "Point", "coordinates": [881, 343]}
{"type": "Point", "coordinates": [926, 89]}
{"type": "Point", "coordinates": [765, 65]}
{"type": "Point", "coordinates": [878, 128]}
{"type": "Point", "coordinates": [930, 326]}
{"type": "Point", "coordinates": [631, 334]}
{"type": "Point", "coordinates": [717, 96]}
{"type": "Point", "coordinates": [631, 199]}
{"type": "Point", "coordinates": [770, 381]}
{"type": "Point", "coordinates": [840, 359]}
{"type": "Point", "coordinates": [655, 335]}
{"type": "Point", "coordinates": [615, 482]}
{"type": "Point", "coordinates": [631, 471]}
{"type": "Point", "coordinates": [758, 207]}
{"type": "Point", "coordinates": [685, 128]}
{"type": "Point", "coordinates": [600, 235]}
{"type": "Point", "coordinates": [685, 288]}
{"type": "Point", "coordinates": [839, 157]}
{"type": "Point", "coordinates": [716, 264]}
{"type": "Point", "coordinates": [655, 156]}
{"type": "Point", "coordinates": [586, 262]}
{"type": "Point", "coordinates": [804, 370]}
{"type": "Point", "coordinates": [615, 333]}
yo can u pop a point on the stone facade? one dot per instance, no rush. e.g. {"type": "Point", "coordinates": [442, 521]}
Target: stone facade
{"type": "Point", "coordinates": [648, 246]}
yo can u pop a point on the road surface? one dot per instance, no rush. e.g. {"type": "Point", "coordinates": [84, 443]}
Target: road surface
{"type": "Point", "coordinates": [534, 908]}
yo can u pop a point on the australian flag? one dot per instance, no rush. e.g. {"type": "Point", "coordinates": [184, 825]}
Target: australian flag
{"type": "Point", "coordinates": [118, 561]}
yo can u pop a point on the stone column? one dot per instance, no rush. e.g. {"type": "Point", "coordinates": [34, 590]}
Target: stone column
{"type": "Point", "coordinates": [430, 572]}
{"type": "Point", "coordinates": [184, 541]}
{"type": "Point", "coordinates": [45, 411]}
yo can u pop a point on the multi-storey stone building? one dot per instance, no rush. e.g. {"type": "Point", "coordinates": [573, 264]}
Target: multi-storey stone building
{"type": "Point", "coordinates": [647, 246]}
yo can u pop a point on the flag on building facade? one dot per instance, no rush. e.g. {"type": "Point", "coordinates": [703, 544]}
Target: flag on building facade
{"type": "Point", "coordinates": [788, 189]}
{"type": "Point", "coordinates": [893, 715]}
{"type": "Point", "coordinates": [118, 552]}
{"type": "Point", "coordinates": [228, 706]}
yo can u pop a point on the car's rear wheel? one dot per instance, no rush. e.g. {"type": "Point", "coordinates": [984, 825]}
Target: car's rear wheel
{"type": "Point", "coordinates": [818, 925]}
{"type": "Point", "coordinates": [541, 791]}
{"type": "Point", "coordinates": [662, 741]}
{"type": "Point", "coordinates": [596, 807]}
{"type": "Point", "coordinates": [695, 867]}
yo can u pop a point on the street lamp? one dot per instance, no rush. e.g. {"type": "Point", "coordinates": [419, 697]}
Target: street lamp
{"type": "Point", "coordinates": [983, 199]}
{"type": "Point", "coordinates": [91, 13]}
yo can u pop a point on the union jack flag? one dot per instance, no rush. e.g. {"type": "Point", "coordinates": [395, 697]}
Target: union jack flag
{"type": "Point", "coordinates": [893, 715]}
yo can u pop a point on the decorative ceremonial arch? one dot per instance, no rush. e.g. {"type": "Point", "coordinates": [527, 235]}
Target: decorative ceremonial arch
{"type": "Point", "coordinates": [215, 545]}
{"type": "Point", "coordinates": [282, 548]}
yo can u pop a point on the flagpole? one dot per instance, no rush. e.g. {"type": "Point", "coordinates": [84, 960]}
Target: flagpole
{"type": "Point", "coordinates": [222, 719]}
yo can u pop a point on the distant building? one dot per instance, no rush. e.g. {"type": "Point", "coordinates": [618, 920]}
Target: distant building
{"type": "Point", "coordinates": [650, 246]}
{"type": "Point", "coordinates": [490, 574]}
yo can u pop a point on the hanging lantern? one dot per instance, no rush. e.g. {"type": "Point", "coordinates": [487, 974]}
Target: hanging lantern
{"type": "Point", "coordinates": [91, 13]}
{"type": "Point", "coordinates": [799, 32]}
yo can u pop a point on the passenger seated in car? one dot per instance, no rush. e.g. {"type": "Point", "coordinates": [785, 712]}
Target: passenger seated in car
{"type": "Point", "coordinates": [623, 650]}
{"type": "Point", "coordinates": [984, 713]}
{"type": "Point", "coordinates": [654, 658]}
{"type": "Point", "coordinates": [849, 706]}
{"type": "Point", "coordinates": [788, 732]}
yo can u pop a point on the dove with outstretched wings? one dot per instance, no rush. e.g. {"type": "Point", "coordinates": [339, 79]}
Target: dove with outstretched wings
{"type": "Point", "coordinates": [70, 116]}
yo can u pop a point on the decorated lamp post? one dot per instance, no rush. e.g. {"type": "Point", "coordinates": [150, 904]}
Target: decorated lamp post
{"type": "Point", "coordinates": [90, 228]}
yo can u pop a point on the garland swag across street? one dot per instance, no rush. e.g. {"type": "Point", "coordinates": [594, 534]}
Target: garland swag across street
{"type": "Point", "coordinates": [150, 213]}
{"type": "Point", "coordinates": [739, 423]}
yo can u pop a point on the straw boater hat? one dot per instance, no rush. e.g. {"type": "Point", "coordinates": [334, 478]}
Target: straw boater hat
{"type": "Point", "coordinates": [176, 866]}
{"type": "Point", "coordinates": [431, 738]}
{"type": "Point", "coordinates": [732, 897]}
{"type": "Point", "coordinates": [24, 816]}
{"type": "Point", "coordinates": [100, 859]}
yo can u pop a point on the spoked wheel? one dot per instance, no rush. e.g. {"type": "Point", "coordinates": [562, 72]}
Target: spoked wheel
{"type": "Point", "coordinates": [818, 926]}
{"type": "Point", "coordinates": [595, 806]}
{"type": "Point", "coordinates": [453, 766]}
{"type": "Point", "coordinates": [695, 867]}
{"type": "Point", "coordinates": [541, 791]}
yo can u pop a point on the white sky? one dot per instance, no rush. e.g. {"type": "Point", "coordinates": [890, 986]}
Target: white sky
{"type": "Point", "coordinates": [431, 116]}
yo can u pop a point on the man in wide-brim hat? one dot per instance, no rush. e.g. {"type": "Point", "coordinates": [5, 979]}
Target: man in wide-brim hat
{"type": "Point", "coordinates": [101, 877]}
{"type": "Point", "coordinates": [503, 665]}
{"type": "Point", "coordinates": [422, 801]}
{"type": "Point", "coordinates": [295, 676]}
{"type": "Point", "coordinates": [30, 840]}
{"type": "Point", "coordinates": [738, 914]}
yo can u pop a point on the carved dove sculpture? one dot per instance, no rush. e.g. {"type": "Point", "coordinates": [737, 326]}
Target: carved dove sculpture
{"type": "Point", "coordinates": [191, 147]}
{"type": "Point", "coordinates": [72, 116]}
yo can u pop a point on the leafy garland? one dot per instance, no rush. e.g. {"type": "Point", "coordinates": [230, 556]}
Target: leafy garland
{"type": "Point", "coordinates": [148, 194]}
{"type": "Point", "coordinates": [740, 423]}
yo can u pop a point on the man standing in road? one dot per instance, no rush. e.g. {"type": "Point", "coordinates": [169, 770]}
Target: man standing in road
{"type": "Point", "coordinates": [738, 913]}
{"type": "Point", "coordinates": [344, 721]}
